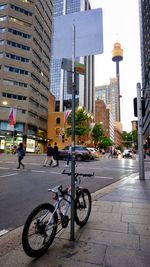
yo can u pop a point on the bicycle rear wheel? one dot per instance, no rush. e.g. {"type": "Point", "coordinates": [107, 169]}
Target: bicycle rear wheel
{"type": "Point", "coordinates": [83, 205]}
{"type": "Point", "coordinates": [37, 234]}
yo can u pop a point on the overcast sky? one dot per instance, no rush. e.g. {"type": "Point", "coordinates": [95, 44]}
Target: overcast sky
{"type": "Point", "coordinates": [120, 24]}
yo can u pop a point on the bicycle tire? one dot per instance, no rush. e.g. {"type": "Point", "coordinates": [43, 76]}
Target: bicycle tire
{"type": "Point", "coordinates": [83, 205]}
{"type": "Point", "coordinates": [37, 224]}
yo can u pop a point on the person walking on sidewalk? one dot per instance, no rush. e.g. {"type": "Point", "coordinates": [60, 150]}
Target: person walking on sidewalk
{"type": "Point", "coordinates": [21, 154]}
{"type": "Point", "coordinates": [49, 156]}
{"type": "Point", "coordinates": [56, 154]}
{"type": "Point", "coordinates": [69, 155]}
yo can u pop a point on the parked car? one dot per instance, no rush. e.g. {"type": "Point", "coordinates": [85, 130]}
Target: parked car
{"type": "Point", "coordinates": [81, 153]}
{"type": "Point", "coordinates": [127, 154]}
{"type": "Point", "coordinates": [95, 153]}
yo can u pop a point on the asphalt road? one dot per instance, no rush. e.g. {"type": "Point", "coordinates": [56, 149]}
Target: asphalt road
{"type": "Point", "coordinates": [22, 190]}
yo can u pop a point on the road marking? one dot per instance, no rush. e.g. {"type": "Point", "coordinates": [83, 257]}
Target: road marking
{"type": "Point", "coordinates": [4, 168]}
{"type": "Point", "coordinates": [103, 177]}
{"type": "Point", "coordinates": [2, 232]}
{"type": "Point", "coordinates": [35, 164]}
{"type": "Point", "coordinates": [6, 175]}
{"type": "Point", "coordinates": [56, 172]}
{"type": "Point", "coordinates": [37, 171]}
{"type": "Point", "coordinates": [10, 161]}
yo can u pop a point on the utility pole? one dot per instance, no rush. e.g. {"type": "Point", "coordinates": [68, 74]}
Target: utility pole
{"type": "Point", "coordinates": [140, 133]}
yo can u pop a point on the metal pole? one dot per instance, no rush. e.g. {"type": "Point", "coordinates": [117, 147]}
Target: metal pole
{"type": "Point", "coordinates": [72, 237]}
{"type": "Point", "coordinates": [140, 134]}
{"type": "Point", "coordinates": [118, 85]}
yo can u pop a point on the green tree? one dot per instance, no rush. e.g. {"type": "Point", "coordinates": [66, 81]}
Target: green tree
{"type": "Point", "coordinates": [97, 133]}
{"type": "Point", "coordinates": [81, 123]}
{"type": "Point", "coordinates": [105, 142]}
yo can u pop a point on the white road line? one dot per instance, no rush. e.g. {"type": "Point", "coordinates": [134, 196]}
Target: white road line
{"type": "Point", "coordinates": [4, 168]}
{"type": "Point", "coordinates": [35, 163]}
{"type": "Point", "coordinates": [10, 161]}
{"type": "Point", "coordinates": [56, 172]}
{"type": "Point", "coordinates": [103, 177]}
{"type": "Point", "coordinates": [37, 171]}
{"type": "Point", "coordinates": [2, 232]}
{"type": "Point", "coordinates": [6, 175]}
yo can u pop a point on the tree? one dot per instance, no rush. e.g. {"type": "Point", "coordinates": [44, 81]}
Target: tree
{"type": "Point", "coordinates": [105, 142]}
{"type": "Point", "coordinates": [130, 139]}
{"type": "Point", "coordinates": [81, 123]}
{"type": "Point", "coordinates": [97, 133]}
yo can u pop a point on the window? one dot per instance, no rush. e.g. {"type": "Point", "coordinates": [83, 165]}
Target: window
{"type": "Point", "coordinates": [2, 30]}
{"type": "Point", "coordinates": [24, 47]}
{"type": "Point", "coordinates": [3, 18]}
{"type": "Point", "coordinates": [19, 9]}
{"type": "Point", "coordinates": [14, 83]}
{"type": "Point", "coordinates": [3, 6]}
{"type": "Point", "coordinates": [22, 59]}
{"type": "Point", "coordinates": [20, 22]}
{"type": "Point", "coordinates": [22, 34]}
{"type": "Point", "coordinates": [16, 70]}
{"type": "Point", "coordinates": [2, 42]}
{"type": "Point", "coordinates": [58, 120]}
{"type": "Point", "coordinates": [19, 97]}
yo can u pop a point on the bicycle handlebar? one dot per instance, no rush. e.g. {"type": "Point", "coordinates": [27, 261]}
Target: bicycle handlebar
{"type": "Point", "coordinates": [78, 174]}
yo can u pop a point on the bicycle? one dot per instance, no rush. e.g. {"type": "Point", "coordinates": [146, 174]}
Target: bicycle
{"type": "Point", "coordinates": [41, 225]}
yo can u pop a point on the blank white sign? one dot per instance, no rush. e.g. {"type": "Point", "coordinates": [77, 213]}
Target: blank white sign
{"type": "Point", "coordinates": [88, 34]}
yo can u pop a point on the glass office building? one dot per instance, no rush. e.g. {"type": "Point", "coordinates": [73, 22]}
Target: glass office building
{"type": "Point", "coordinates": [145, 64]}
{"type": "Point", "coordinates": [85, 95]}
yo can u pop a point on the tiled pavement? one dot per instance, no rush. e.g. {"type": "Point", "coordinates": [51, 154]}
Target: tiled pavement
{"type": "Point", "coordinates": [116, 235]}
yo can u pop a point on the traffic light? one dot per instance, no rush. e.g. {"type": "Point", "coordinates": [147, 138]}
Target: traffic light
{"type": "Point", "coordinates": [135, 106]}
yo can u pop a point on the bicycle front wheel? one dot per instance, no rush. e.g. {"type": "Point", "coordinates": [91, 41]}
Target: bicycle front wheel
{"type": "Point", "coordinates": [83, 205]}
{"type": "Point", "coordinates": [39, 230]}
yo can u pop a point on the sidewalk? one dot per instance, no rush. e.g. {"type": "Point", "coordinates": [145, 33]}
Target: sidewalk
{"type": "Point", "coordinates": [116, 235]}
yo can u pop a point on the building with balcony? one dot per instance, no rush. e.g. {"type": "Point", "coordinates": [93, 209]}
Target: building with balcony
{"type": "Point", "coordinates": [25, 52]}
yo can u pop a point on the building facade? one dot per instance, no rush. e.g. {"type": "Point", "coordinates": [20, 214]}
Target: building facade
{"type": "Point", "coordinates": [25, 52]}
{"type": "Point", "coordinates": [85, 83]}
{"type": "Point", "coordinates": [145, 64]}
{"type": "Point", "coordinates": [108, 93]}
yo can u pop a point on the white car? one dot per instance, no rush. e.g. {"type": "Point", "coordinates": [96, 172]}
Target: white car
{"type": "Point", "coordinates": [127, 154]}
{"type": "Point", "coordinates": [95, 153]}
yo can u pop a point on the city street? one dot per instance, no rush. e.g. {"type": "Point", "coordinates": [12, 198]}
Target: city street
{"type": "Point", "coordinates": [21, 190]}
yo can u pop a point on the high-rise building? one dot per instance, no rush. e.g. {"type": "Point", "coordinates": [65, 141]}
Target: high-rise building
{"type": "Point", "coordinates": [85, 83]}
{"type": "Point", "coordinates": [25, 51]}
{"type": "Point", "coordinates": [108, 93]}
{"type": "Point", "coordinates": [145, 64]}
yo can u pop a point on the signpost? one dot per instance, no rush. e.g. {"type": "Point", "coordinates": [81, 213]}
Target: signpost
{"type": "Point", "coordinates": [77, 34]}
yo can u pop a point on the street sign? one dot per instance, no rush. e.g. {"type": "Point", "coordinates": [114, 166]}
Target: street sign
{"type": "Point", "coordinates": [79, 68]}
{"type": "Point", "coordinates": [66, 64]}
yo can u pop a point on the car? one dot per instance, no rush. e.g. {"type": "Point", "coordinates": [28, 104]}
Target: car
{"type": "Point", "coordinates": [127, 154]}
{"type": "Point", "coordinates": [95, 153]}
{"type": "Point", "coordinates": [81, 153]}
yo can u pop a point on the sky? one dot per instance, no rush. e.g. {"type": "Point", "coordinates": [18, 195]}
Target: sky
{"type": "Point", "coordinates": [120, 24]}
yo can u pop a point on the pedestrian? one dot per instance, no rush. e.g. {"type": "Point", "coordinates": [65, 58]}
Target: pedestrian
{"type": "Point", "coordinates": [69, 155]}
{"type": "Point", "coordinates": [49, 156]}
{"type": "Point", "coordinates": [21, 154]}
{"type": "Point", "coordinates": [56, 154]}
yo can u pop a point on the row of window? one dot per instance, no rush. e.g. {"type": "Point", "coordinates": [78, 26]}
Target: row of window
{"type": "Point", "coordinates": [21, 46]}
{"type": "Point", "coordinates": [16, 70]}
{"type": "Point", "coordinates": [14, 83]}
{"type": "Point", "coordinates": [19, 97]}
{"type": "Point", "coordinates": [19, 9]}
{"type": "Point", "coordinates": [18, 21]}
{"type": "Point", "coordinates": [19, 33]}
{"type": "Point", "coordinates": [15, 32]}
{"type": "Point", "coordinates": [16, 8]}
{"type": "Point", "coordinates": [16, 57]}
